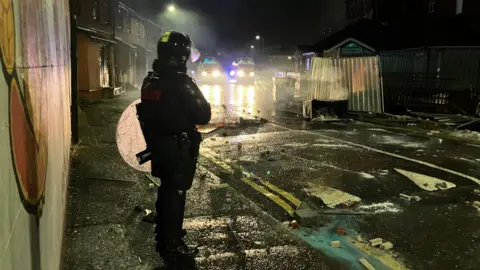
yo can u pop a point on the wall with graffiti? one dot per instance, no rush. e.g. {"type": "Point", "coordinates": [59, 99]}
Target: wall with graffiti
{"type": "Point", "coordinates": [34, 131]}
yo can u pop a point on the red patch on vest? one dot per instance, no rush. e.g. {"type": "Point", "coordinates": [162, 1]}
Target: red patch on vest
{"type": "Point", "coordinates": [152, 94]}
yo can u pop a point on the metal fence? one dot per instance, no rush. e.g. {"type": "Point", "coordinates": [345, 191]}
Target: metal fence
{"type": "Point", "coordinates": [444, 79]}
{"type": "Point", "coordinates": [354, 79]}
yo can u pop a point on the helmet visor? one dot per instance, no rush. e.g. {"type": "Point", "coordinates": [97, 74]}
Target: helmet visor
{"type": "Point", "coordinates": [195, 53]}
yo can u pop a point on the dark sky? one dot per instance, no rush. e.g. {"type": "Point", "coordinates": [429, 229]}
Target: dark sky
{"type": "Point", "coordinates": [234, 23]}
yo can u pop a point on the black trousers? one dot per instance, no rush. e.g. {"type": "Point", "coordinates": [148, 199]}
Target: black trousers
{"type": "Point", "coordinates": [170, 204]}
{"type": "Point", "coordinates": [175, 166]}
{"type": "Point", "coordinates": [170, 208]}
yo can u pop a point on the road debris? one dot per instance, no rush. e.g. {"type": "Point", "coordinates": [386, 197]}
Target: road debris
{"type": "Point", "coordinates": [409, 198]}
{"type": "Point", "coordinates": [476, 204]}
{"type": "Point", "coordinates": [366, 264]}
{"type": "Point", "coordinates": [376, 242]}
{"type": "Point", "coordinates": [336, 244]}
{"type": "Point", "coordinates": [386, 246]}
{"type": "Point", "coordinates": [294, 224]}
{"type": "Point", "coordinates": [340, 231]}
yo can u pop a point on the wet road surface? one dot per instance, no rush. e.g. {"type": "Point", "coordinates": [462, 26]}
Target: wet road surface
{"type": "Point", "coordinates": [352, 165]}
{"type": "Point", "coordinates": [341, 165]}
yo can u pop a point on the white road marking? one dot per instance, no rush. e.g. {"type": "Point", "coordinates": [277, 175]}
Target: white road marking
{"type": "Point", "coordinates": [296, 145]}
{"type": "Point", "coordinates": [379, 129]}
{"type": "Point", "coordinates": [474, 145]}
{"type": "Point", "coordinates": [326, 145]}
{"type": "Point", "coordinates": [330, 196]}
{"type": "Point", "coordinates": [426, 182]}
{"type": "Point", "coordinates": [389, 154]}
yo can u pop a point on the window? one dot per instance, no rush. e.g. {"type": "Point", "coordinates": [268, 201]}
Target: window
{"type": "Point", "coordinates": [134, 26]}
{"type": "Point", "coordinates": [126, 21]}
{"type": "Point", "coordinates": [119, 21]}
{"type": "Point", "coordinates": [105, 14]}
{"type": "Point", "coordinates": [431, 7]}
{"type": "Point", "coordinates": [142, 30]}
{"type": "Point", "coordinates": [95, 10]}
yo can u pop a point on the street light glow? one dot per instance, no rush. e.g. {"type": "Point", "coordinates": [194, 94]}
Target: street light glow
{"type": "Point", "coordinates": [257, 37]}
{"type": "Point", "coordinates": [171, 8]}
{"type": "Point", "coordinates": [252, 47]}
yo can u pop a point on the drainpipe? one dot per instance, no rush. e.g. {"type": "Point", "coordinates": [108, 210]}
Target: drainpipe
{"type": "Point", "coordinates": [113, 9]}
{"type": "Point", "coordinates": [74, 72]}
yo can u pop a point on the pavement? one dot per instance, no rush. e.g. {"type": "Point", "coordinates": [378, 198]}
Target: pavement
{"type": "Point", "coordinates": [108, 199]}
{"type": "Point", "coordinates": [414, 189]}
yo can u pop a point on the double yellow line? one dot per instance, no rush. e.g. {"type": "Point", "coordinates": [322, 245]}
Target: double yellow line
{"type": "Point", "coordinates": [265, 187]}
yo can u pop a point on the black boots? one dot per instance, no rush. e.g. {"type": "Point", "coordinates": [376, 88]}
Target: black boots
{"type": "Point", "coordinates": [178, 255]}
{"type": "Point", "coordinates": [178, 248]}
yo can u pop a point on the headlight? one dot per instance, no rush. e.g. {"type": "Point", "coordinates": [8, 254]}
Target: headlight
{"type": "Point", "coordinates": [216, 73]}
{"type": "Point", "coordinates": [232, 73]}
{"type": "Point", "coordinates": [241, 73]}
{"type": "Point", "coordinates": [204, 73]}
{"type": "Point", "coordinates": [252, 74]}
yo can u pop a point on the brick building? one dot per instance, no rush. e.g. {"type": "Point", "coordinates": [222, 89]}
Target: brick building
{"type": "Point", "coordinates": [111, 37]}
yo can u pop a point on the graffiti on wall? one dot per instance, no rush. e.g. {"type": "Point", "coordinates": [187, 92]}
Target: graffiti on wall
{"type": "Point", "coordinates": [28, 131]}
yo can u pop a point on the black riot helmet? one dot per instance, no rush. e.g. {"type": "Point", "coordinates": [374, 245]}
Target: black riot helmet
{"type": "Point", "coordinates": [174, 48]}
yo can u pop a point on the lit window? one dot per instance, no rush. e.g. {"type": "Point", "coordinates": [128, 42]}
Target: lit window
{"type": "Point", "coordinates": [431, 7]}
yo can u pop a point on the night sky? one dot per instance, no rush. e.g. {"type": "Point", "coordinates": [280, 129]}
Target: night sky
{"type": "Point", "coordinates": [234, 23]}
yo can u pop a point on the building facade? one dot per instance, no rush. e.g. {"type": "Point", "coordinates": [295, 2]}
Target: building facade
{"type": "Point", "coordinates": [95, 48]}
{"type": "Point", "coordinates": [115, 45]}
{"type": "Point", "coordinates": [135, 48]}
{"type": "Point", "coordinates": [388, 12]}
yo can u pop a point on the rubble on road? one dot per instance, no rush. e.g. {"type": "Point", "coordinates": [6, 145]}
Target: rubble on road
{"type": "Point", "coordinates": [409, 198]}
{"type": "Point", "coordinates": [365, 263]}
{"type": "Point", "coordinates": [340, 231]}
{"type": "Point", "coordinates": [336, 244]}
{"type": "Point", "coordinates": [386, 246]}
{"type": "Point", "coordinates": [376, 242]}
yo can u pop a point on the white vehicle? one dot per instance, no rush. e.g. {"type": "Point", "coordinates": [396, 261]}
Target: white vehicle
{"type": "Point", "coordinates": [210, 70]}
{"type": "Point", "coordinates": [243, 70]}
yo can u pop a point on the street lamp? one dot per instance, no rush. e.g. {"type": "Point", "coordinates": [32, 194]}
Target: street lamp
{"type": "Point", "coordinates": [171, 8]}
{"type": "Point", "coordinates": [257, 37]}
{"type": "Point", "coordinates": [252, 47]}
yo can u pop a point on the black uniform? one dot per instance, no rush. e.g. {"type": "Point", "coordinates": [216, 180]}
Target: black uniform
{"type": "Point", "coordinates": [171, 107]}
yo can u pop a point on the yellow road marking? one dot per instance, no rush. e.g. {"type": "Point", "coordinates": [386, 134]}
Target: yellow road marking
{"type": "Point", "coordinates": [290, 197]}
{"type": "Point", "coordinates": [280, 202]}
{"type": "Point", "coordinates": [269, 195]}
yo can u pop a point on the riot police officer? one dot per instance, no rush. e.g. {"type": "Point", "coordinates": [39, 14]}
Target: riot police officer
{"type": "Point", "coordinates": [171, 107]}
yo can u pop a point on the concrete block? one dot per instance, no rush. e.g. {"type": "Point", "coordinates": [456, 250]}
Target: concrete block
{"type": "Point", "coordinates": [336, 244]}
{"type": "Point", "coordinates": [303, 205]}
{"type": "Point", "coordinates": [376, 242]}
{"type": "Point", "coordinates": [386, 246]}
{"type": "Point", "coordinates": [308, 217]}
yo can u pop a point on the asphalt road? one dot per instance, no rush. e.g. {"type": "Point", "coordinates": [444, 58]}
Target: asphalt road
{"type": "Point", "coordinates": [354, 166]}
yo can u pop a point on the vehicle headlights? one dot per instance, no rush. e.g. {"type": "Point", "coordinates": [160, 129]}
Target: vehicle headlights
{"type": "Point", "coordinates": [232, 73]}
{"type": "Point", "coordinates": [204, 73]}
{"type": "Point", "coordinates": [216, 73]}
{"type": "Point", "coordinates": [252, 74]}
{"type": "Point", "coordinates": [241, 73]}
